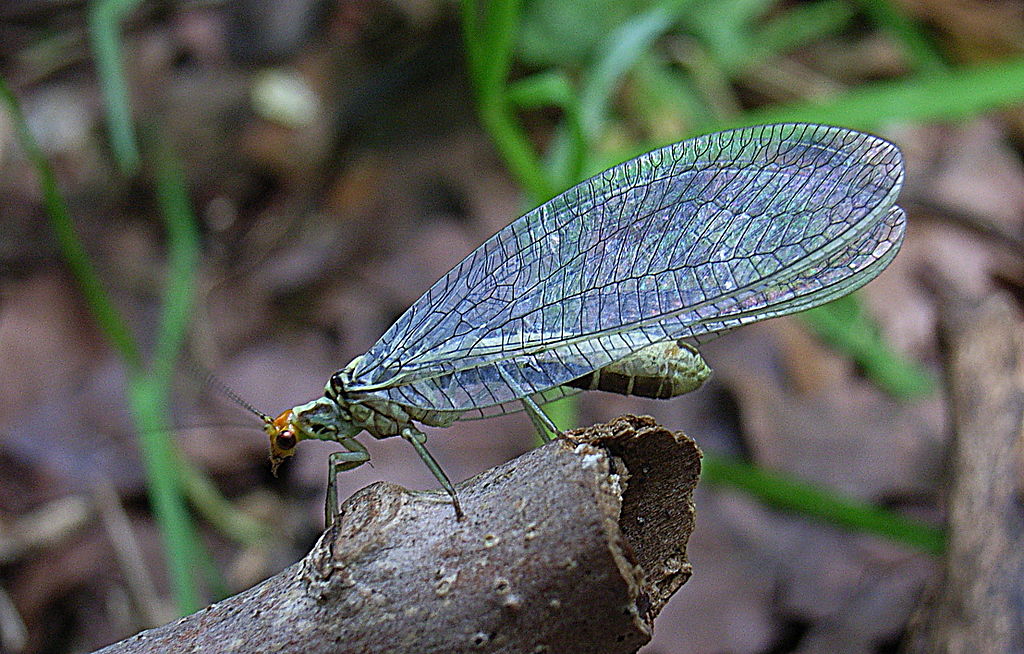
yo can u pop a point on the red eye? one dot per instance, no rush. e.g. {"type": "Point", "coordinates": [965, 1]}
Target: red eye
{"type": "Point", "coordinates": [286, 441]}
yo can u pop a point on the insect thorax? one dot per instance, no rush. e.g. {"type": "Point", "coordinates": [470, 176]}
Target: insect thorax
{"type": "Point", "coordinates": [324, 419]}
{"type": "Point", "coordinates": [345, 413]}
{"type": "Point", "coordinates": [356, 411]}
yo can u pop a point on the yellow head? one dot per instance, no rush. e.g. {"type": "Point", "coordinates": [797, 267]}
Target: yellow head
{"type": "Point", "coordinates": [322, 419]}
{"type": "Point", "coordinates": [283, 438]}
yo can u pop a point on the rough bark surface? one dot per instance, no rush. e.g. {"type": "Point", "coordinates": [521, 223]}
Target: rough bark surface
{"type": "Point", "coordinates": [977, 607]}
{"type": "Point", "coordinates": [572, 547]}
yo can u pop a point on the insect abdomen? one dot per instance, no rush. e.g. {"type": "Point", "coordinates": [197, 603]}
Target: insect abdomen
{"type": "Point", "coordinates": [659, 371]}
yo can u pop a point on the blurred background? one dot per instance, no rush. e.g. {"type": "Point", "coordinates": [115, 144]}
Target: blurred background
{"type": "Point", "coordinates": [260, 189]}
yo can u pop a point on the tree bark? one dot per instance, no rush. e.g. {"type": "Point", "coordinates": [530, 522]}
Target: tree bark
{"type": "Point", "coordinates": [572, 547]}
{"type": "Point", "coordinates": [977, 605]}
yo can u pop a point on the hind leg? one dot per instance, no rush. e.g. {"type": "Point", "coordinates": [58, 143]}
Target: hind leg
{"type": "Point", "coordinates": [417, 439]}
{"type": "Point", "coordinates": [546, 429]}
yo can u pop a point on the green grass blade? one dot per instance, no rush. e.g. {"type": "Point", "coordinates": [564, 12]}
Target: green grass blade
{"type": "Point", "coordinates": [489, 34]}
{"type": "Point", "coordinates": [488, 63]}
{"type": "Point", "coordinates": [147, 395]}
{"type": "Point", "coordinates": [104, 30]}
{"type": "Point", "coordinates": [799, 25]}
{"type": "Point", "coordinates": [585, 117]}
{"type": "Point", "coordinates": [469, 12]}
{"type": "Point", "coordinates": [553, 89]}
{"type": "Point", "coordinates": [182, 261]}
{"type": "Point", "coordinates": [166, 467]}
{"type": "Point", "coordinates": [499, 33]}
{"type": "Point", "coordinates": [147, 399]}
{"type": "Point", "coordinates": [953, 95]}
{"type": "Point", "coordinates": [616, 57]}
{"type": "Point", "coordinates": [73, 251]}
{"type": "Point", "coordinates": [844, 325]}
{"type": "Point", "coordinates": [783, 492]}
{"type": "Point", "coordinates": [924, 58]}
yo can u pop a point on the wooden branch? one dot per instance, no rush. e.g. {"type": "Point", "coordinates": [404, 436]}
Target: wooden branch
{"type": "Point", "coordinates": [976, 607]}
{"type": "Point", "coordinates": [572, 547]}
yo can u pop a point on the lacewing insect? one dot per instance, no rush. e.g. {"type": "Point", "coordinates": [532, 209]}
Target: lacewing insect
{"type": "Point", "coordinates": [609, 285]}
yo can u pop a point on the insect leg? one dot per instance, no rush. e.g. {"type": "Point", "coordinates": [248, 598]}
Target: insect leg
{"type": "Point", "coordinates": [541, 422]}
{"type": "Point", "coordinates": [340, 462]}
{"type": "Point", "coordinates": [417, 439]}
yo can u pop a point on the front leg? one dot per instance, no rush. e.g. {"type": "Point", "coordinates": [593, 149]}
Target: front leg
{"type": "Point", "coordinates": [340, 462]}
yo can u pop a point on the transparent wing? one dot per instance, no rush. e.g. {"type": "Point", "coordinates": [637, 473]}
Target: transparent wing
{"type": "Point", "coordinates": [685, 241]}
{"type": "Point", "coordinates": [850, 269]}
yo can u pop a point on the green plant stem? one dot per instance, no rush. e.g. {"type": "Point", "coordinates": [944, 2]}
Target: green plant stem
{"type": "Point", "coordinates": [182, 261]}
{"type": "Point", "coordinates": [150, 387]}
{"type": "Point", "coordinates": [146, 401]}
{"type": "Point", "coordinates": [104, 29]}
{"type": "Point", "coordinates": [103, 311]}
{"type": "Point", "coordinates": [179, 289]}
{"type": "Point", "coordinates": [147, 391]}
{"type": "Point", "coordinates": [489, 42]}
{"type": "Point", "coordinates": [785, 493]}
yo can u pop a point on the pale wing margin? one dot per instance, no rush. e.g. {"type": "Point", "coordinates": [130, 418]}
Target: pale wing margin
{"type": "Point", "coordinates": [672, 238]}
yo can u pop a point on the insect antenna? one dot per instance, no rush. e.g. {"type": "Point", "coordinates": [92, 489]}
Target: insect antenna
{"type": "Point", "coordinates": [213, 381]}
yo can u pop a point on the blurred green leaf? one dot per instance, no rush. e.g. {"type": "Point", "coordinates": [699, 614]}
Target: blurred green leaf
{"type": "Point", "coordinates": [665, 100]}
{"type": "Point", "coordinates": [783, 492]}
{"type": "Point", "coordinates": [724, 27]}
{"type": "Point", "coordinates": [954, 95]}
{"type": "Point", "coordinates": [548, 89]}
{"type": "Point", "coordinates": [565, 34]}
{"type": "Point", "coordinates": [102, 308]}
{"type": "Point", "coordinates": [615, 57]}
{"type": "Point", "coordinates": [923, 56]}
{"type": "Point", "coordinates": [489, 30]}
{"type": "Point", "coordinates": [799, 25]}
{"type": "Point", "coordinates": [182, 263]}
{"type": "Point", "coordinates": [845, 325]}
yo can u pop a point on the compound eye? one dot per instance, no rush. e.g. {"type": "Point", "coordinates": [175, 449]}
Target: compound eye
{"type": "Point", "coordinates": [286, 441]}
{"type": "Point", "coordinates": [336, 385]}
